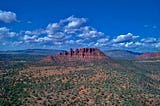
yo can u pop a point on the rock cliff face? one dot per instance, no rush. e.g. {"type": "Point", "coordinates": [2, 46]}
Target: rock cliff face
{"type": "Point", "coordinates": [82, 54]}
{"type": "Point", "coordinates": [148, 56]}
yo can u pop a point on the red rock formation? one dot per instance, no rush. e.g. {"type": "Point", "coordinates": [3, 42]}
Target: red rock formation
{"type": "Point", "coordinates": [48, 59]}
{"type": "Point", "coordinates": [82, 54]}
{"type": "Point", "coordinates": [148, 56]}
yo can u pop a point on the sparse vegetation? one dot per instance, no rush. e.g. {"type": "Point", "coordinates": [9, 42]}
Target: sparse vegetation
{"type": "Point", "coordinates": [107, 82]}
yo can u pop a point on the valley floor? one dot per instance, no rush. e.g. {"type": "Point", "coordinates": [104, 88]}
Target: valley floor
{"type": "Point", "coordinates": [99, 83]}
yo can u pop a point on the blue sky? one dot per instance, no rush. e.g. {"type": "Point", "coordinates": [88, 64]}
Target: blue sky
{"type": "Point", "coordinates": [62, 24]}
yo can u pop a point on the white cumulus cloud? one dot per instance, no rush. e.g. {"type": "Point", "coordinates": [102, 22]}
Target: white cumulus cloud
{"type": "Point", "coordinates": [5, 33]}
{"type": "Point", "coordinates": [149, 40]}
{"type": "Point", "coordinates": [90, 34]}
{"type": "Point", "coordinates": [75, 22]}
{"type": "Point", "coordinates": [125, 38]}
{"type": "Point", "coordinates": [52, 27]}
{"type": "Point", "coordinates": [7, 16]}
{"type": "Point", "coordinates": [27, 37]}
{"type": "Point", "coordinates": [103, 40]}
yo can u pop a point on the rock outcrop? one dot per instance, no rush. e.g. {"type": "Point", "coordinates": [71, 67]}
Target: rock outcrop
{"type": "Point", "coordinates": [82, 54]}
{"type": "Point", "coordinates": [149, 56]}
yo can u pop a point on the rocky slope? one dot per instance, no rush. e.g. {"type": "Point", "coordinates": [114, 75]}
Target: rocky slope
{"type": "Point", "coordinates": [82, 54]}
{"type": "Point", "coordinates": [149, 56]}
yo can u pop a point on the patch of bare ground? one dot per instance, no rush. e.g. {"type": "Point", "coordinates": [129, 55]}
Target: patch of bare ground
{"type": "Point", "coordinates": [152, 84]}
{"type": "Point", "coordinates": [90, 102]}
{"type": "Point", "coordinates": [100, 75]}
{"type": "Point", "coordinates": [113, 97]}
{"type": "Point", "coordinates": [155, 77]}
{"type": "Point", "coordinates": [148, 99]}
{"type": "Point", "coordinates": [83, 91]}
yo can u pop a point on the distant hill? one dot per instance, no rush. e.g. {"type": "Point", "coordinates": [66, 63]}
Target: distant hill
{"type": "Point", "coordinates": [121, 54]}
{"type": "Point", "coordinates": [149, 56]}
{"type": "Point", "coordinates": [44, 52]}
